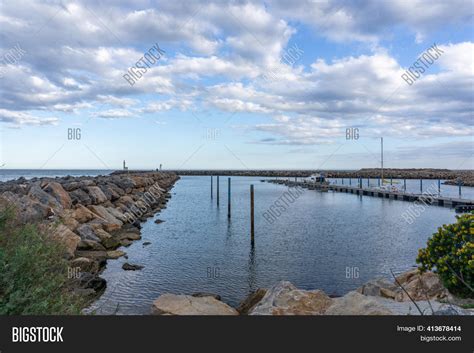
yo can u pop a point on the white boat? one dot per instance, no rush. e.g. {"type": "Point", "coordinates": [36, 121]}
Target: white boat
{"type": "Point", "coordinates": [391, 188]}
{"type": "Point", "coordinates": [317, 178]}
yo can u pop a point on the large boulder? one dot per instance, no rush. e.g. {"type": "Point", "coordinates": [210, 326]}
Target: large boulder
{"type": "Point", "coordinates": [117, 214]}
{"type": "Point", "coordinates": [96, 195]}
{"type": "Point", "coordinates": [102, 212]}
{"type": "Point", "coordinates": [81, 197]}
{"type": "Point", "coordinates": [68, 219]}
{"type": "Point", "coordinates": [354, 303]}
{"type": "Point", "coordinates": [57, 191]}
{"type": "Point", "coordinates": [67, 238]}
{"type": "Point", "coordinates": [125, 184]}
{"type": "Point", "coordinates": [83, 214]}
{"type": "Point", "coordinates": [27, 209]}
{"type": "Point", "coordinates": [124, 234]}
{"type": "Point", "coordinates": [285, 299]}
{"type": "Point", "coordinates": [252, 299]}
{"type": "Point", "coordinates": [172, 304]}
{"type": "Point", "coordinates": [42, 196]}
{"type": "Point", "coordinates": [87, 232]}
{"type": "Point", "coordinates": [73, 185]}
{"type": "Point", "coordinates": [90, 245]}
{"type": "Point", "coordinates": [380, 287]}
{"type": "Point", "coordinates": [107, 240]}
{"type": "Point", "coordinates": [421, 286]}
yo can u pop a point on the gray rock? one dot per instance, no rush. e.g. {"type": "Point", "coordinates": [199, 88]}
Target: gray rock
{"type": "Point", "coordinates": [79, 196]}
{"type": "Point", "coordinates": [89, 280]}
{"type": "Point", "coordinates": [172, 304]}
{"type": "Point", "coordinates": [86, 232]}
{"type": "Point", "coordinates": [90, 245]}
{"type": "Point", "coordinates": [285, 299]}
{"type": "Point", "coordinates": [96, 195]}
{"type": "Point", "coordinates": [130, 267]}
{"type": "Point", "coordinates": [43, 197]}
{"type": "Point", "coordinates": [452, 310]}
{"type": "Point", "coordinates": [354, 303]}
{"type": "Point", "coordinates": [380, 287]}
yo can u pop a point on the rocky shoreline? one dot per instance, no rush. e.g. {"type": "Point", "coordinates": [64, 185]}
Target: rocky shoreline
{"type": "Point", "coordinates": [451, 176]}
{"type": "Point", "coordinates": [90, 216]}
{"type": "Point", "coordinates": [422, 294]}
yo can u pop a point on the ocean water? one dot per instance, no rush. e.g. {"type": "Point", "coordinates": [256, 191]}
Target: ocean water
{"type": "Point", "coordinates": [11, 174]}
{"type": "Point", "coordinates": [330, 241]}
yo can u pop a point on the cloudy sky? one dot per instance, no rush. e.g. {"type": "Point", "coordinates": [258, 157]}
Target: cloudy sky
{"type": "Point", "coordinates": [240, 84]}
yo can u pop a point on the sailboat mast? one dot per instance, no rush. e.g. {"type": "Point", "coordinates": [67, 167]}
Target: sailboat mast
{"type": "Point", "coordinates": [381, 153]}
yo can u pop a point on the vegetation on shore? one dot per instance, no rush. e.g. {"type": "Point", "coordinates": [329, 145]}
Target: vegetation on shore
{"type": "Point", "coordinates": [33, 272]}
{"type": "Point", "coordinates": [450, 253]}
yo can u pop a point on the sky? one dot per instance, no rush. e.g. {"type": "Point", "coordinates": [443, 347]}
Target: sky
{"type": "Point", "coordinates": [236, 84]}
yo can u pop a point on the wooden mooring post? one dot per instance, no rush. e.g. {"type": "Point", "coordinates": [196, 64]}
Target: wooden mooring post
{"type": "Point", "coordinates": [252, 218]}
{"type": "Point", "coordinates": [217, 190]}
{"type": "Point", "coordinates": [228, 198]}
{"type": "Point", "coordinates": [211, 186]}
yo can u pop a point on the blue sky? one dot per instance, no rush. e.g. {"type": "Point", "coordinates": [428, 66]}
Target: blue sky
{"type": "Point", "coordinates": [224, 96]}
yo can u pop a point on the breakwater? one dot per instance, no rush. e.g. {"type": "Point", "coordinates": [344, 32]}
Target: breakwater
{"type": "Point", "coordinates": [90, 216]}
{"type": "Point", "coordinates": [451, 177]}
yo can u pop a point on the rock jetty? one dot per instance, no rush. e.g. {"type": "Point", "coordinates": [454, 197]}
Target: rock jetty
{"type": "Point", "coordinates": [90, 216]}
{"type": "Point", "coordinates": [451, 176]}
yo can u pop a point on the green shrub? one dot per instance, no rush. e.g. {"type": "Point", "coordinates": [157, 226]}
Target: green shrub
{"type": "Point", "coordinates": [33, 272]}
{"type": "Point", "coordinates": [450, 253]}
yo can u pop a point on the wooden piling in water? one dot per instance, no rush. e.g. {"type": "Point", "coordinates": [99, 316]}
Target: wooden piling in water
{"type": "Point", "coordinates": [211, 186]}
{"type": "Point", "coordinates": [439, 186]}
{"type": "Point", "coordinates": [228, 198]}
{"type": "Point", "coordinates": [421, 185]}
{"type": "Point", "coordinates": [252, 218]}
{"type": "Point", "coordinates": [218, 190]}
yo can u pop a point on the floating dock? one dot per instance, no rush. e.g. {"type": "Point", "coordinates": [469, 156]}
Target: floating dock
{"type": "Point", "coordinates": [432, 199]}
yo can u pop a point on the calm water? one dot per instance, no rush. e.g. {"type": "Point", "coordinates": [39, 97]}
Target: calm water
{"type": "Point", "coordinates": [312, 245]}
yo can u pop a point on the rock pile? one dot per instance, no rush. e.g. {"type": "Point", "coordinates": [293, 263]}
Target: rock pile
{"type": "Point", "coordinates": [90, 216]}
{"type": "Point", "coordinates": [376, 297]}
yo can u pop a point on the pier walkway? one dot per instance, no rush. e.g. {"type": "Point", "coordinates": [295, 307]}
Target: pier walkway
{"type": "Point", "coordinates": [427, 198]}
